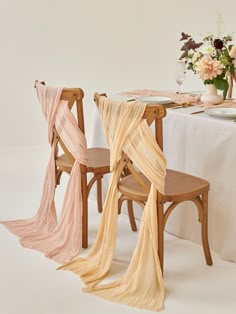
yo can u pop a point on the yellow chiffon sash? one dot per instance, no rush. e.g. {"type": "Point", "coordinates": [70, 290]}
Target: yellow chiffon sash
{"type": "Point", "coordinates": [142, 285]}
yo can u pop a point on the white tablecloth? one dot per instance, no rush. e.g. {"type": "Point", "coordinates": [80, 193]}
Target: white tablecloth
{"type": "Point", "coordinates": [206, 147]}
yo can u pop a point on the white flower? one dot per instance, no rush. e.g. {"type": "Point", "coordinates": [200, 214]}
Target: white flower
{"type": "Point", "coordinates": [195, 57]}
{"type": "Point", "coordinates": [209, 50]}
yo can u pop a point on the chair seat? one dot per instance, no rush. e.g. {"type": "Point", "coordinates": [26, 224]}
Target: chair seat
{"type": "Point", "coordinates": [98, 161]}
{"type": "Point", "coordinates": [179, 186]}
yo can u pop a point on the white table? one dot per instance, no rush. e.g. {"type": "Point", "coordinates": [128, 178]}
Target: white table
{"type": "Point", "coordinates": [206, 147]}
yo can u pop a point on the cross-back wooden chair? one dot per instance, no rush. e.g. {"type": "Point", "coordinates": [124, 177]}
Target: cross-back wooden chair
{"type": "Point", "coordinates": [230, 88]}
{"type": "Point", "coordinates": [98, 160]}
{"type": "Point", "coordinates": [179, 187]}
{"type": "Point", "coordinates": [231, 80]}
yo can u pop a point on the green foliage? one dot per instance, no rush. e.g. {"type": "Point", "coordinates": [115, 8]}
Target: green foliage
{"type": "Point", "coordinates": [222, 84]}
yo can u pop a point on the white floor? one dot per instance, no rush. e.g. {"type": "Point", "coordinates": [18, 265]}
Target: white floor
{"type": "Point", "coordinates": [30, 284]}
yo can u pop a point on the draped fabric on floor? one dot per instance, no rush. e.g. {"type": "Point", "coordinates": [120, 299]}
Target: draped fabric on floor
{"type": "Point", "coordinates": [60, 241]}
{"type": "Point", "coordinates": [142, 284]}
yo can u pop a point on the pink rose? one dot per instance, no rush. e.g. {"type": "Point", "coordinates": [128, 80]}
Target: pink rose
{"type": "Point", "coordinates": [232, 52]}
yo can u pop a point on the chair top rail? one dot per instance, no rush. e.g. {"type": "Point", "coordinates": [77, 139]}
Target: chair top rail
{"type": "Point", "coordinates": [152, 110]}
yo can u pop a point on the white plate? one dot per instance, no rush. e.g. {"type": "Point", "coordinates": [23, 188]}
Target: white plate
{"type": "Point", "coordinates": [155, 100]}
{"type": "Point", "coordinates": [221, 112]}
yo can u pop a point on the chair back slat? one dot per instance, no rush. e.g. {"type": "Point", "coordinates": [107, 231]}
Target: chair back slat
{"type": "Point", "coordinates": [137, 177]}
{"type": "Point", "coordinates": [73, 96]}
{"type": "Point", "coordinates": [80, 114]}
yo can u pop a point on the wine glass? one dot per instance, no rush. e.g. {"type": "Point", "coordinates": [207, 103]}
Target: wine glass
{"type": "Point", "coordinates": [180, 73]}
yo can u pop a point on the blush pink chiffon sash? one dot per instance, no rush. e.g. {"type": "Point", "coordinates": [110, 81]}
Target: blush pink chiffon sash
{"type": "Point", "coordinates": [59, 240]}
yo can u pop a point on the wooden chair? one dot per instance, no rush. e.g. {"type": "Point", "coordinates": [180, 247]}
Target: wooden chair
{"type": "Point", "coordinates": [98, 160]}
{"type": "Point", "coordinates": [179, 187]}
{"type": "Point", "coordinates": [230, 89]}
{"type": "Point", "coordinates": [231, 80]}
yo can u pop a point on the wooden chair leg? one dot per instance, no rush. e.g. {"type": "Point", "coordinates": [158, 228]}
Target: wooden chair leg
{"type": "Point", "coordinates": [160, 232]}
{"type": "Point", "coordinates": [99, 194]}
{"type": "Point", "coordinates": [58, 176]}
{"type": "Point", "coordinates": [120, 202]}
{"type": "Point", "coordinates": [131, 215]}
{"type": "Point", "coordinates": [85, 210]}
{"type": "Point", "coordinates": [204, 229]}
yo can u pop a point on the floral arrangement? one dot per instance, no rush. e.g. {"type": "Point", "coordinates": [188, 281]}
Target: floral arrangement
{"type": "Point", "coordinates": [213, 59]}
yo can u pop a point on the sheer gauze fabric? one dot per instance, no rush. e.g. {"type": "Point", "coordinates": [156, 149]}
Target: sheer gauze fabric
{"type": "Point", "coordinates": [142, 284]}
{"type": "Point", "coordinates": [60, 241]}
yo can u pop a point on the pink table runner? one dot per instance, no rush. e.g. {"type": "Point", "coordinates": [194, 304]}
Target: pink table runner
{"type": "Point", "coordinates": [177, 98]}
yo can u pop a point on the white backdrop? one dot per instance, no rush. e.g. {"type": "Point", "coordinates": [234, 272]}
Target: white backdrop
{"type": "Point", "coordinates": [105, 45]}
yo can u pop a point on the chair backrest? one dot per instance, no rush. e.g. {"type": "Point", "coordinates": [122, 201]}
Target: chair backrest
{"type": "Point", "coordinates": [74, 96]}
{"type": "Point", "coordinates": [153, 113]}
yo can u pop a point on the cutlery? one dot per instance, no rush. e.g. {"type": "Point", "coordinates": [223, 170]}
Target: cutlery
{"type": "Point", "coordinates": [196, 112]}
{"type": "Point", "coordinates": [183, 105]}
{"type": "Point", "coordinates": [177, 107]}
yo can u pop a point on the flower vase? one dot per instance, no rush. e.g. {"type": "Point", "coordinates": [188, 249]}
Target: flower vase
{"type": "Point", "coordinates": [211, 96]}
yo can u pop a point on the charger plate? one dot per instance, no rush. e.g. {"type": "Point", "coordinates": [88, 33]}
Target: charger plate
{"type": "Point", "coordinates": [155, 100]}
{"type": "Point", "coordinates": [221, 112]}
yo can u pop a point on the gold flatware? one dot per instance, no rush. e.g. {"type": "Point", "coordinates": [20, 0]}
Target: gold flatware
{"type": "Point", "coordinates": [183, 105]}
{"type": "Point", "coordinates": [133, 99]}
{"type": "Point", "coordinates": [196, 112]}
{"type": "Point", "coordinates": [176, 107]}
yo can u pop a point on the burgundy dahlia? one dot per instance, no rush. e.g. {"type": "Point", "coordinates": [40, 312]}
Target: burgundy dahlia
{"type": "Point", "coordinates": [218, 44]}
